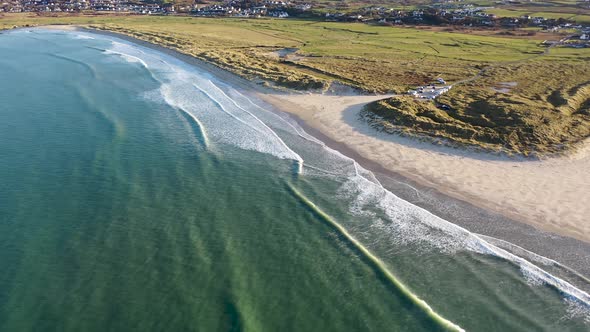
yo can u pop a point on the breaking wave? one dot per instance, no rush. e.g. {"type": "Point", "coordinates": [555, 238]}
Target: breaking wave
{"type": "Point", "coordinates": [224, 120]}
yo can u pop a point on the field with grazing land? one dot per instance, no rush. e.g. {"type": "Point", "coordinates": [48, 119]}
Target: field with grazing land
{"type": "Point", "coordinates": [531, 33]}
{"type": "Point", "coordinates": [370, 58]}
{"type": "Point", "coordinates": [512, 96]}
{"type": "Point", "coordinates": [566, 9]}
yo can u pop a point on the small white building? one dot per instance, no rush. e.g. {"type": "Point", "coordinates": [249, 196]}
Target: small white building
{"type": "Point", "coordinates": [430, 92]}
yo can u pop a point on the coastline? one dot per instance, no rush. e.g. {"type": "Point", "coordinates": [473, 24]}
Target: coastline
{"type": "Point", "coordinates": [547, 194]}
{"type": "Point", "coordinates": [332, 119]}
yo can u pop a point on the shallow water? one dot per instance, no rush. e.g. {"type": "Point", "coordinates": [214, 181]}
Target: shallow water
{"type": "Point", "coordinates": [139, 194]}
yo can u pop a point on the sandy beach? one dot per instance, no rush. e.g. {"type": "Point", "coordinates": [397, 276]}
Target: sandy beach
{"type": "Point", "coordinates": [549, 194]}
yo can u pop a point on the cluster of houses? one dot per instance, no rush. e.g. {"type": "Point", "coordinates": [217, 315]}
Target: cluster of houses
{"type": "Point", "coordinates": [436, 12]}
{"type": "Point", "coordinates": [430, 91]}
{"type": "Point", "coordinates": [581, 40]}
{"type": "Point", "coordinates": [234, 8]}
{"type": "Point", "coordinates": [229, 10]}
{"type": "Point", "coordinates": [18, 6]}
{"type": "Point", "coordinates": [445, 12]}
{"type": "Point", "coordinates": [245, 8]}
{"type": "Point", "coordinates": [44, 6]}
{"type": "Point", "coordinates": [121, 6]}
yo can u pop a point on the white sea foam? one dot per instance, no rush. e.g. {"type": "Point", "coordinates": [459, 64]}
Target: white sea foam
{"type": "Point", "coordinates": [127, 57]}
{"type": "Point", "coordinates": [223, 120]}
{"type": "Point", "coordinates": [232, 118]}
{"type": "Point", "coordinates": [577, 310]}
{"type": "Point", "coordinates": [406, 222]}
{"type": "Point", "coordinates": [83, 36]}
{"type": "Point", "coordinates": [409, 223]}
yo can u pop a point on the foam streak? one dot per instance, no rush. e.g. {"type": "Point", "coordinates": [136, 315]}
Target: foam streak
{"type": "Point", "coordinates": [378, 265]}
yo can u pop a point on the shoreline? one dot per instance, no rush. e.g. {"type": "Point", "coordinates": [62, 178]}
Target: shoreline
{"type": "Point", "coordinates": [545, 193]}
{"type": "Point", "coordinates": [569, 251]}
{"type": "Point", "coordinates": [468, 212]}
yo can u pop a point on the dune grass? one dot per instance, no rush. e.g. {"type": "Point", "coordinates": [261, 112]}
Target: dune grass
{"type": "Point", "coordinates": [370, 58]}
{"type": "Point", "coordinates": [537, 108]}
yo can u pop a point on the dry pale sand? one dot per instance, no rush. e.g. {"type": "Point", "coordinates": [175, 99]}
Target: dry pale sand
{"type": "Point", "coordinates": [551, 194]}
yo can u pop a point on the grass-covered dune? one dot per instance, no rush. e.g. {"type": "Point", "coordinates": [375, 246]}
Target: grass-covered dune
{"type": "Point", "coordinates": [539, 107]}
{"type": "Point", "coordinates": [370, 58]}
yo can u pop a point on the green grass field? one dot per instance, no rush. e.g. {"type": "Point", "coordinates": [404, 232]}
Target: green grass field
{"type": "Point", "coordinates": [566, 9]}
{"type": "Point", "coordinates": [367, 57]}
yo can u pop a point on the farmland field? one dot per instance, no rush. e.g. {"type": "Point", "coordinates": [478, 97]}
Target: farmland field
{"type": "Point", "coordinates": [370, 58]}
{"type": "Point", "coordinates": [569, 10]}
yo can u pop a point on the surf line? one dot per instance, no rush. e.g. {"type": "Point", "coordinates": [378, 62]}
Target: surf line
{"type": "Point", "coordinates": [199, 124]}
{"type": "Point", "coordinates": [510, 248]}
{"type": "Point", "coordinates": [164, 87]}
{"type": "Point", "coordinates": [306, 137]}
{"type": "Point", "coordinates": [297, 157]}
{"type": "Point", "coordinates": [376, 263]}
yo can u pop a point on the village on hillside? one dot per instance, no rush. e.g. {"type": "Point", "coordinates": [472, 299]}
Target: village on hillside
{"type": "Point", "coordinates": [445, 13]}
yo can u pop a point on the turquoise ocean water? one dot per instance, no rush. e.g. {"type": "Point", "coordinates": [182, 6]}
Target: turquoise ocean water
{"type": "Point", "coordinates": [139, 194]}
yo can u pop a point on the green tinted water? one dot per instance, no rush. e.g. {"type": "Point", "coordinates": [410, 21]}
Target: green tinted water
{"type": "Point", "coordinates": [116, 216]}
